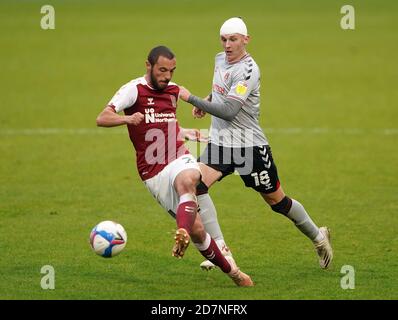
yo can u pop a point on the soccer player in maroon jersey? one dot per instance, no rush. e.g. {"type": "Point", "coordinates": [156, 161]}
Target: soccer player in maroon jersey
{"type": "Point", "coordinates": [166, 167]}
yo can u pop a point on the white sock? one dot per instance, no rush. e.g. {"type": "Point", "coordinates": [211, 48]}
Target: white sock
{"type": "Point", "coordinates": [221, 244]}
{"type": "Point", "coordinates": [204, 245]}
{"type": "Point", "coordinates": [303, 221]}
{"type": "Point", "coordinates": [208, 214]}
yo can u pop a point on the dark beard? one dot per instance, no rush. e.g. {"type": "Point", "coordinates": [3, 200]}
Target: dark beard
{"type": "Point", "coordinates": [155, 84]}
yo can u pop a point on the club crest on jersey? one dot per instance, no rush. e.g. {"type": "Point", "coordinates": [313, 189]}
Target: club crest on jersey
{"type": "Point", "coordinates": [173, 101]}
{"type": "Point", "coordinates": [150, 102]}
{"type": "Point", "coordinates": [241, 88]}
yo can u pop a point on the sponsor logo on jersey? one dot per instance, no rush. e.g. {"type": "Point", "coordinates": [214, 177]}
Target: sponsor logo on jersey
{"type": "Point", "coordinates": [241, 88]}
{"type": "Point", "coordinates": [156, 117]}
{"type": "Point", "coordinates": [218, 89]}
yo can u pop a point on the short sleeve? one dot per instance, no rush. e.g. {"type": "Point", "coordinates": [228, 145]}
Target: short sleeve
{"type": "Point", "coordinates": [125, 97]}
{"type": "Point", "coordinates": [244, 81]}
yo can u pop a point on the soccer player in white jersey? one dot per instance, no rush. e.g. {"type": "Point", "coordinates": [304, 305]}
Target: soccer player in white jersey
{"type": "Point", "coordinates": [237, 142]}
{"type": "Point", "coordinates": [166, 167]}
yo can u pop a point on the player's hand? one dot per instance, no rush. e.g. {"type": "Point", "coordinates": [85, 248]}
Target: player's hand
{"type": "Point", "coordinates": [197, 113]}
{"type": "Point", "coordinates": [184, 94]}
{"type": "Point", "coordinates": [193, 135]}
{"type": "Point", "coordinates": [134, 119]}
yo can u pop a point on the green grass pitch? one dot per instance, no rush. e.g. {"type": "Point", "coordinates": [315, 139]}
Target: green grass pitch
{"type": "Point", "coordinates": [329, 109]}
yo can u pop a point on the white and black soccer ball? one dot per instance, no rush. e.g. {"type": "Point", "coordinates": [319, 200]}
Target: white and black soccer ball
{"type": "Point", "coordinates": [108, 239]}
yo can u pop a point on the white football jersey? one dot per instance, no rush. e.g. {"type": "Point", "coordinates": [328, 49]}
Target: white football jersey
{"type": "Point", "coordinates": [239, 81]}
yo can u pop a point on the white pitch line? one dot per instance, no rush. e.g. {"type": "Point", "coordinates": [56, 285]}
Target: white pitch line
{"type": "Point", "coordinates": [103, 131]}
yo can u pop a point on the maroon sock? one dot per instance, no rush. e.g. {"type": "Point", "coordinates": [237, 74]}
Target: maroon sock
{"type": "Point", "coordinates": [186, 214]}
{"type": "Point", "coordinates": [213, 254]}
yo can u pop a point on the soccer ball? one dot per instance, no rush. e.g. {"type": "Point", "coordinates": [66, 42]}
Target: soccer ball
{"type": "Point", "coordinates": [108, 239]}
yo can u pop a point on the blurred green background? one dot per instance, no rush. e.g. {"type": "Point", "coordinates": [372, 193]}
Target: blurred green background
{"type": "Point", "coordinates": [329, 109]}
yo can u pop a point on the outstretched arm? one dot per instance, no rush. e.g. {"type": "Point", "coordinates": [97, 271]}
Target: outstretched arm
{"type": "Point", "coordinates": [226, 110]}
{"type": "Point", "coordinates": [109, 118]}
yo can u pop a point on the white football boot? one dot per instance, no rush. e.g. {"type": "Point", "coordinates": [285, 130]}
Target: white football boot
{"type": "Point", "coordinates": [208, 265]}
{"type": "Point", "coordinates": [324, 248]}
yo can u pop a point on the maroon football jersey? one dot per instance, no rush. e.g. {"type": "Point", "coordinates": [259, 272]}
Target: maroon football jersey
{"type": "Point", "coordinates": [156, 139]}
